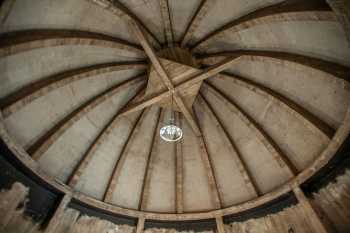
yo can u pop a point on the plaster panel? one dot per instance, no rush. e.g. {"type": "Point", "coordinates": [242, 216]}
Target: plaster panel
{"type": "Point", "coordinates": [182, 13]}
{"type": "Point", "coordinates": [320, 93]}
{"type": "Point", "coordinates": [72, 145]}
{"type": "Point", "coordinates": [300, 144]}
{"type": "Point", "coordinates": [232, 188]}
{"type": "Point", "coordinates": [129, 184]}
{"type": "Point", "coordinates": [195, 188]}
{"type": "Point", "coordinates": [28, 124]}
{"type": "Point", "coordinates": [61, 158]}
{"type": "Point", "coordinates": [162, 183]}
{"type": "Point", "coordinates": [95, 179]}
{"type": "Point", "coordinates": [324, 40]}
{"type": "Point", "coordinates": [67, 14]}
{"type": "Point", "coordinates": [265, 171]}
{"type": "Point", "coordinates": [278, 123]}
{"type": "Point", "coordinates": [228, 10]}
{"type": "Point", "coordinates": [149, 13]}
{"type": "Point", "coordinates": [27, 67]}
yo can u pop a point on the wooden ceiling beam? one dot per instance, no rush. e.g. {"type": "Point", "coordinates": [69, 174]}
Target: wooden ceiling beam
{"type": "Point", "coordinates": [167, 21]}
{"type": "Point", "coordinates": [22, 41]}
{"type": "Point", "coordinates": [197, 18]}
{"type": "Point", "coordinates": [310, 121]}
{"type": "Point", "coordinates": [50, 137]}
{"type": "Point", "coordinates": [282, 160]}
{"type": "Point", "coordinates": [26, 95]}
{"type": "Point", "coordinates": [122, 12]}
{"type": "Point", "coordinates": [289, 10]}
{"type": "Point", "coordinates": [58, 215]}
{"type": "Point", "coordinates": [99, 140]}
{"type": "Point", "coordinates": [179, 170]}
{"type": "Point", "coordinates": [236, 155]}
{"type": "Point", "coordinates": [216, 59]}
{"type": "Point", "coordinates": [165, 77]}
{"type": "Point", "coordinates": [309, 211]}
{"type": "Point", "coordinates": [112, 183]}
{"type": "Point", "coordinates": [335, 69]}
{"type": "Point", "coordinates": [145, 191]}
{"type": "Point", "coordinates": [204, 74]}
{"type": "Point", "coordinates": [213, 185]}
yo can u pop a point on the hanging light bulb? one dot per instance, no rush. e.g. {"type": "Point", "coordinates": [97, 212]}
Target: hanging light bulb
{"type": "Point", "coordinates": [171, 132]}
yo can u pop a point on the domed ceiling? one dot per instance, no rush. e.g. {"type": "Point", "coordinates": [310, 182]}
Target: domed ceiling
{"type": "Point", "coordinates": [259, 88]}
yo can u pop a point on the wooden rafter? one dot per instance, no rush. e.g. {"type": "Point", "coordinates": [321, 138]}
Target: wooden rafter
{"type": "Point", "coordinates": [167, 22]}
{"type": "Point", "coordinates": [243, 169]}
{"type": "Point", "coordinates": [17, 42]}
{"type": "Point", "coordinates": [338, 70]}
{"type": "Point", "coordinates": [165, 77]}
{"type": "Point", "coordinates": [46, 140]}
{"type": "Point", "coordinates": [213, 186]}
{"type": "Point", "coordinates": [108, 196]}
{"type": "Point", "coordinates": [121, 11]}
{"type": "Point", "coordinates": [263, 137]}
{"type": "Point", "coordinates": [219, 59]}
{"type": "Point", "coordinates": [311, 122]}
{"type": "Point", "coordinates": [145, 191]}
{"type": "Point", "coordinates": [21, 98]}
{"type": "Point", "coordinates": [57, 216]}
{"type": "Point", "coordinates": [309, 211]}
{"type": "Point", "coordinates": [99, 140]}
{"type": "Point", "coordinates": [220, 226]}
{"type": "Point", "coordinates": [289, 10]}
{"type": "Point", "coordinates": [204, 74]}
{"type": "Point", "coordinates": [179, 179]}
{"type": "Point", "coordinates": [201, 12]}
{"type": "Point", "coordinates": [140, 225]}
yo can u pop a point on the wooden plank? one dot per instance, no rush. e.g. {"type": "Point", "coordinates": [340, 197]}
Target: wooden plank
{"type": "Point", "coordinates": [207, 73]}
{"type": "Point", "coordinates": [134, 107]}
{"type": "Point", "coordinates": [220, 224]}
{"type": "Point", "coordinates": [122, 157]}
{"type": "Point", "coordinates": [289, 10]}
{"type": "Point", "coordinates": [188, 115]}
{"type": "Point", "coordinates": [167, 22]}
{"type": "Point", "coordinates": [140, 225]}
{"type": "Point", "coordinates": [145, 191]}
{"type": "Point", "coordinates": [50, 137]}
{"type": "Point", "coordinates": [197, 18]}
{"type": "Point", "coordinates": [242, 167]}
{"type": "Point", "coordinates": [26, 95]}
{"type": "Point", "coordinates": [58, 215]}
{"type": "Point", "coordinates": [332, 68]}
{"type": "Point", "coordinates": [165, 77]}
{"type": "Point", "coordinates": [158, 66]}
{"type": "Point", "coordinates": [179, 179]}
{"type": "Point", "coordinates": [99, 140]}
{"type": "Point", "coordinates": [309, 211]}
{"type": "Point", "coordinates": [17, 42]}
{"type": "Point", "coordinates": [213, 186]}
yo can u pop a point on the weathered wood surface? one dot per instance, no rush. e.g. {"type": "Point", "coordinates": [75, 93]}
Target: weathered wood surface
{"type": "Point", "coordinates": [333, 201]}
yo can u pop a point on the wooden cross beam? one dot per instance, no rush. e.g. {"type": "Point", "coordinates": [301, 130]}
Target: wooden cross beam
{"type": "Point", "coordinates": [164, 76]}
{"type": "Point", "coordinates": [204, 74]}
